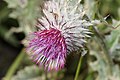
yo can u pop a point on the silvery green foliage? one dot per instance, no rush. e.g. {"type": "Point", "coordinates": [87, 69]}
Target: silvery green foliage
{"type": "Point", "coordinates": [26, 12]}
{"type": "Point", "coordinates": [29, 73]}
{"type": "Point", "coordinates": [113, 44]}
{"type": "Point", "coordinates": [113, 40]}
{"type": "Point", "coordinates": [102, 68]}
{"type": "Point", "coordinates": [20, 3]}
{"type": "Point", "coordinates": [33, 72]}
{"type": "Point", "coordinates": [91, 8]}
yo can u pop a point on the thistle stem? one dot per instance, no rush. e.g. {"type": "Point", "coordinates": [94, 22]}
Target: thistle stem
{"type": "Point", "coordinates": [46, 75]}
{"type": "Point", "coordinates": [78, 68]}
{"type": "Point", "coordinates": [14, 66]}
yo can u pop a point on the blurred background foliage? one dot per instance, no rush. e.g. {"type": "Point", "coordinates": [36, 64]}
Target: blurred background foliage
{"type": "Point", "coordinates": [18, 18]}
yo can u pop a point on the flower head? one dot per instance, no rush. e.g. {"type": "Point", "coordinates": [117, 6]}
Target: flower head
{"type": "Point", "coordinates": [61, 30]}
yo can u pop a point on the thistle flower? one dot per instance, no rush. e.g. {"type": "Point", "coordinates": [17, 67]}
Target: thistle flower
{"type": "Point", "coordinates": [61, 30]}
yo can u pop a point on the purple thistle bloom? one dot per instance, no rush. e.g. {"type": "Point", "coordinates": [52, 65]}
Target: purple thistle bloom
{"type": "Point", "coordinates": [60, 31]}
{"type": "Point", "coordinates": [48, 47]}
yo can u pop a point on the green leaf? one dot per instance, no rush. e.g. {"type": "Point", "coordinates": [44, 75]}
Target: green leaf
{"type": "Point", "coordinates": [26, 12]}
{"type": "Point", "coordinates": [29, 73]}
{"type": "Point", "coordinates": [102, 68]}
{"type": "Point", "coordinates": [10, 39]}
{"type": "Point", "coordinates": [91, 8]}
{"type": "Point", "coordinates": [113, 40]}
{"type": "Point", "coordinates": [16, 3]}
